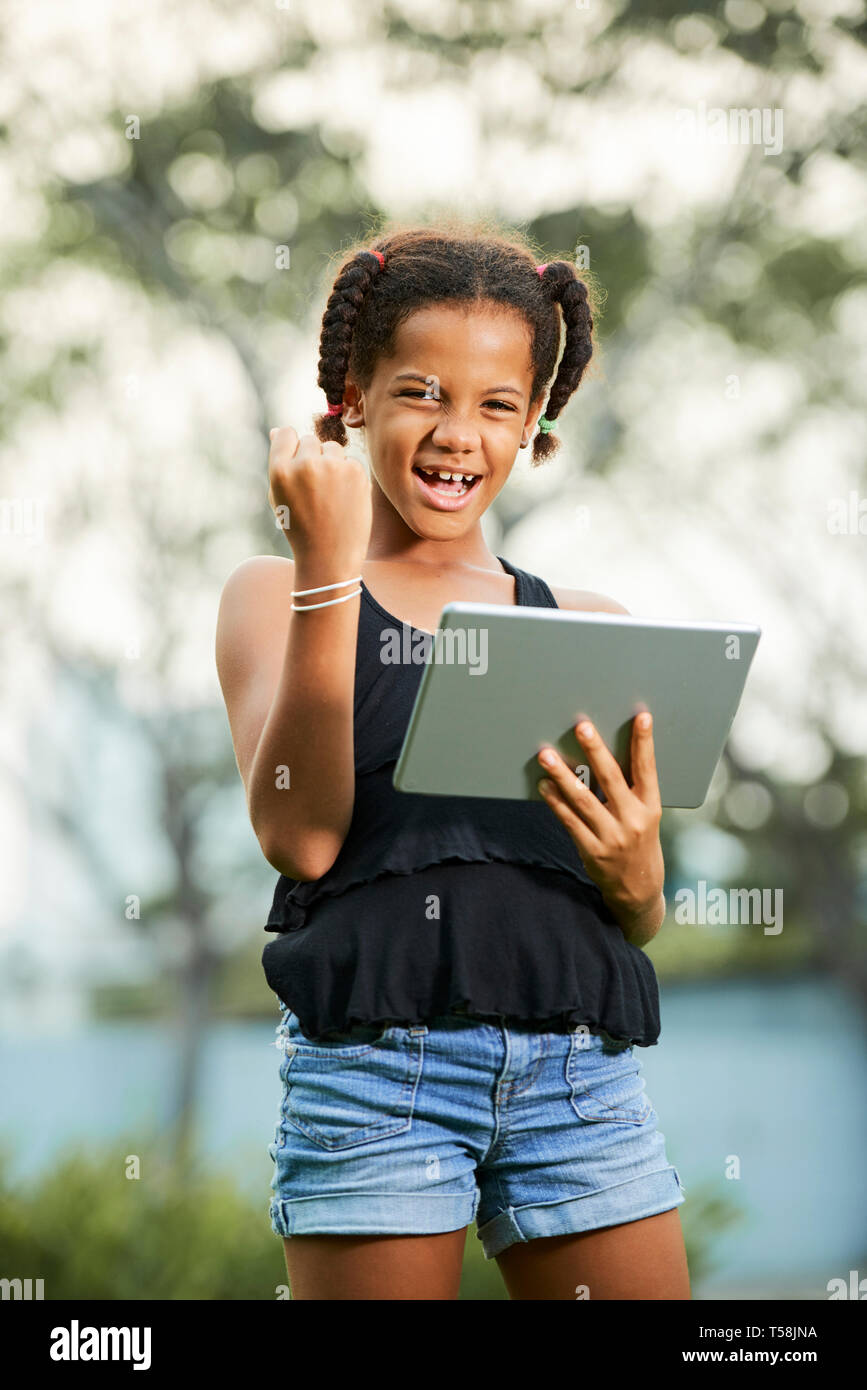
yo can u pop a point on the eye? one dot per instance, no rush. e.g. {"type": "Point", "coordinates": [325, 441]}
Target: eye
{"type": "Point", "coordinates": [423, 396]}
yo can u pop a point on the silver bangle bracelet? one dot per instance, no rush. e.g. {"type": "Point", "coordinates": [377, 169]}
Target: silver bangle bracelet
{"type": "Point", "coordinates": [303, 607]}
{"type": "Point", "coordinates": [297, 593]}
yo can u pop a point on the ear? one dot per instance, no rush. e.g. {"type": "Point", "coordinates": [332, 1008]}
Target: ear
{"type": "Point", "coordinates": [532, 417]}
{"type": "Point", "coordinates": [353, 413]}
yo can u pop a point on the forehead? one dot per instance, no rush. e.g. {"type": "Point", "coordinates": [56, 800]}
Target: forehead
{"type": "Point", "coordinates": [473, 340]}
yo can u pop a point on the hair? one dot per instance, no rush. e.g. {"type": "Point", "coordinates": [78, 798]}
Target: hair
{"type": "Point", "coordinates": [453, 262]}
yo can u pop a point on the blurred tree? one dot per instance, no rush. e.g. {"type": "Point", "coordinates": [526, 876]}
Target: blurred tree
{"type": "Point", "coordinates": [181, 244]}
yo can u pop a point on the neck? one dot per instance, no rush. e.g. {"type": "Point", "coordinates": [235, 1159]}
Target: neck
{"type": "Point", "coordinates": [391, 539]}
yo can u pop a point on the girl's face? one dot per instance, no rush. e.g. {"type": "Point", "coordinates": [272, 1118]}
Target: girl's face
{"type": "Point", "coordinates": [454, 398]}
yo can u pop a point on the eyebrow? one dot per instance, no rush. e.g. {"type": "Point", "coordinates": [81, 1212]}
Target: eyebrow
{"type": "Point", "coordinates": [416, 376]}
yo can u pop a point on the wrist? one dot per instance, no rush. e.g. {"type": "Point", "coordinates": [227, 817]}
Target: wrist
{"type": "Point", "coordinates": [315, 568]}
{"type": "Point", "coordinates": [639, 921]}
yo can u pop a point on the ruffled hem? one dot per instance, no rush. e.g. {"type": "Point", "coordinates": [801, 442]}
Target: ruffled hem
{"type": "Point", "coordinates": [393, 833]}
{"type": "Point", "coordinates": [563, 1019]}
{"type": "Point", "coordinates": [288, 914]}
{"type": "Point", "coordinates": [506, 944]}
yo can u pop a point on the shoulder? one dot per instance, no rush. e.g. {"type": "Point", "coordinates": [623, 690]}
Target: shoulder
{"type": "Point", "coordinates": [257, 574]}
{"type": "Point", "coordinates": [253, 604]}
{"type": "Point", "coordinates": [584, 600]}
{"type": "Point", "coordinates": [261, 569]}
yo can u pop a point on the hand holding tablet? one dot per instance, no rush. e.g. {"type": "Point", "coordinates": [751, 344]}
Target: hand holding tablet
{"type": "Point", "coordinates": [619, 840]}
{"type": "Point", "coordinates": [503, 682]}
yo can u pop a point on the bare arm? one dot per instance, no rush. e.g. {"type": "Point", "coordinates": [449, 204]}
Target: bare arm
{"type": "Point", "coordinates": [288, 681]}
{"type": "Point", "coordinates": [639, 927]}
{"type": "Point", "coordinates": [288, 678]}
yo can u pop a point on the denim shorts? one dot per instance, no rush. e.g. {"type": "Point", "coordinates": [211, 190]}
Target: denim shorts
{"type": "Point", "coordinates": [423, 1129]}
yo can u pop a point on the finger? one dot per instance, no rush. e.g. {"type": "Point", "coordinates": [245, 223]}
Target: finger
{"type": "Point", "coordinates": [645, 782]}
{"type": "Point", "coordinates": [586, 839]}
{"type": "Point", "coordinates": [603, 765]}
{"type": "Point", "coordinates": [309, 445]}
{"type": "Point", "coordinates": [577, 795]}
{"type": "Point", "coordinates": [284, 438]}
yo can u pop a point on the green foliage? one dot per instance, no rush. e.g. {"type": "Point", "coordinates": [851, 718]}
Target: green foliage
{"type": "Point", "coordinates": [683, 954]}
{"type": "Point", "coordinates": [91, 1232]}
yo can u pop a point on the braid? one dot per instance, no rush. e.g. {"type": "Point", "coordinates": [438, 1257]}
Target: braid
{"type": "Point", "coordinates": [465, 264]}
{"type": "Point", "coordinates": [335, 341]}
{"type": "Point", "coordinates": [565, 288]}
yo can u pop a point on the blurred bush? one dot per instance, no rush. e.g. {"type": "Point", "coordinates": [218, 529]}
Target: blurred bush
{"type": "Point", "coordinates": [90, 1232]}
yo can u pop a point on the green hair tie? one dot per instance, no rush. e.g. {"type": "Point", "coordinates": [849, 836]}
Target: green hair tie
{"type": "Point", "coordinates": [546, 425]}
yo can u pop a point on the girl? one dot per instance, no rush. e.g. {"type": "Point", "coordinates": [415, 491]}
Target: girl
{"type": "Point", "coordinates": [460, 979]}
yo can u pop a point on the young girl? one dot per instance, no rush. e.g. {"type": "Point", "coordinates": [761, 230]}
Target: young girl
{"type": "Point", "coordinates": [461, 980]}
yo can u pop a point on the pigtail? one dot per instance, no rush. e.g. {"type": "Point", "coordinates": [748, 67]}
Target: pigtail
{"type": "Point", "coordinates": [563, 286]}
{"type": "Point", "coordinates": [453, 262]}
{"type": "Point", "coordinates": [335, 342]}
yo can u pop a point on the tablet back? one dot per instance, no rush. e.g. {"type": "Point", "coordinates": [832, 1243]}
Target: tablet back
{"type": "Point", "coordinates": [502, 681]}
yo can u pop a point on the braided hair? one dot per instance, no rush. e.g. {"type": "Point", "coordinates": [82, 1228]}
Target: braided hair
{"type": "Point", "coordinates": [380, 285]}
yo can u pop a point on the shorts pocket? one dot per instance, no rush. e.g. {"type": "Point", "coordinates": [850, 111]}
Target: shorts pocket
{"type": "Point", "coordinates": [605, 1085]}
{"type": "Point", "coordinates": [341, 1094]}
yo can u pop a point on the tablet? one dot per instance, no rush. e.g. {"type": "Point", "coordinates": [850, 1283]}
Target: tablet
{"type": "Point", "coordinates": [501, 681]}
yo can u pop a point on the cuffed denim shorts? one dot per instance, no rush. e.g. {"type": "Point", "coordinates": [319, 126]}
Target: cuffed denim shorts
{"type": "Point", "coordinates": [424, 1129]}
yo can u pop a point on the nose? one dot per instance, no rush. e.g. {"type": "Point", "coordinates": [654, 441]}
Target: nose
{"type": "Point", "coordinates": [455, 433]}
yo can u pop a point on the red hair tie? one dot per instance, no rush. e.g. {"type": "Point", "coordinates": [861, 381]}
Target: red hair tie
{"type": "Point", "coordinates": [379, 256]}
{"type": "Point", "coordinates": [542, 268]}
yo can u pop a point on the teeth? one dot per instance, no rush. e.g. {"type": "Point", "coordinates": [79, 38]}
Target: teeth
{"type": "Point", "coordinates": [459, 477]}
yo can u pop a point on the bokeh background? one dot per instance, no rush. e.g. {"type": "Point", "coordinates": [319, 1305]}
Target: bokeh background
{"type": "Point", "coordinates": [177, 181]}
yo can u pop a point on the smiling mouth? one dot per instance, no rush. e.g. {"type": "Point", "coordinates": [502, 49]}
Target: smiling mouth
{"type": "Point", "coordinates": [449, 483]}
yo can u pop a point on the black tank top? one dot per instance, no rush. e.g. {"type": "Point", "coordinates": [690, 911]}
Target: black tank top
{"type": "Point", "coordinates": [441, 904]}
